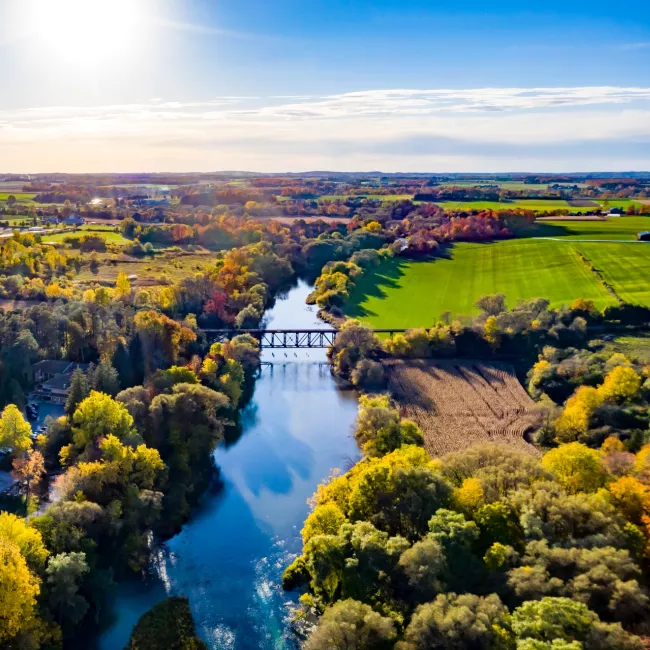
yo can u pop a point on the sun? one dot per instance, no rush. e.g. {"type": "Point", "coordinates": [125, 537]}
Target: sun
{"type": "Point", "coordinates": [86, 32]}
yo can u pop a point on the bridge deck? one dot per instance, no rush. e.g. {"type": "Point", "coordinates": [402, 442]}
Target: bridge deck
{"type": "Point", "coordinates": [289, 338]}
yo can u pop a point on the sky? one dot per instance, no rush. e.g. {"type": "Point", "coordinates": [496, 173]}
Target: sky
{"type": "Point", "coordinates": [347, 85]}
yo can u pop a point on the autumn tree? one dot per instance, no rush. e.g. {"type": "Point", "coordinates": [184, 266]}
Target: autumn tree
{"type": "Point", "coordinates": [15, 431]}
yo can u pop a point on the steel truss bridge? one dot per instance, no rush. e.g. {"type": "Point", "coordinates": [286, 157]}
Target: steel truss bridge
{"type": "Point", "coordinates": [314, 338]}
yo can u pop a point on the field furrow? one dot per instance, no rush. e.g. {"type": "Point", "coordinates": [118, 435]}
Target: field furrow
{"type": "Point", "coordinates": [457, 404]}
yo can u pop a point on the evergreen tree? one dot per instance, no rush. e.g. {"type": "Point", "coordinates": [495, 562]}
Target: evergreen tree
{"type": "Point", "coordinates": [122, 363]}
{"type": "Point", "coordinates": [79, 390]}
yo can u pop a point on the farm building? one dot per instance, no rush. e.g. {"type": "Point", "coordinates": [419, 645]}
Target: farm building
{"type": "Point", "coordinates": [644, 235]}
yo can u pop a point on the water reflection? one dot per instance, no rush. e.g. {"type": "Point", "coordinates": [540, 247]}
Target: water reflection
{"type": "Point", "coordinates": [229, 558]}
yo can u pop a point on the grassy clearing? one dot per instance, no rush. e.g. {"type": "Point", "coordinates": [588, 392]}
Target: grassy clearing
{"type": "Point", "coordinates": [414, 294]}
{"type": "Point", "coordinates": [108, 235]}
{"type": "Point", "coordinates": [150, 271]}
{"type": "Point", "coordinates": [631, 346]}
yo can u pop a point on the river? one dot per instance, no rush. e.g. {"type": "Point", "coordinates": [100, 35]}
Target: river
{"type": "Point", "coordinates": [228, 559]}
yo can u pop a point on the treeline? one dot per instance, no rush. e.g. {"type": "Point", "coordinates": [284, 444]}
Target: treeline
{"type": "Point", "coordinates": [522, 333]}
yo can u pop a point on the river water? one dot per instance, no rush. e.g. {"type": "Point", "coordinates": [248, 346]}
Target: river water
{"type": "Point", "coordinates": [228, 559]}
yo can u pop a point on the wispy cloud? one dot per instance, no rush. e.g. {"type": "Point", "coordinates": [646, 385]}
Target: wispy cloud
{"type": "Point", "coordinates": [643, 45]}
{"type": "Point", "coordinates": [438, 129]}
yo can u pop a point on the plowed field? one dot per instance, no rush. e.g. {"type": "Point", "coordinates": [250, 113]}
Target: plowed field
{"type": "Point", "coordinates": [461, 403]}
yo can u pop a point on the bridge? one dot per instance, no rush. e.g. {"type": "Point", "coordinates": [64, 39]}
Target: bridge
{"type": "Point", "coordinates": [290, 339]}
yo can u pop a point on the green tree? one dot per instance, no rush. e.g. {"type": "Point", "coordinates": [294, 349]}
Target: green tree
{"type": "Point", "coordinates": [350, 624]}
{"type": "Point", "coordinates": [64, 575]}
{"type": "Point", "coordinates": [550, 618]}
{"type": "Point", "coordinates": [167, 626]}
{"type": "Point", "coordinates": [454, 622]}
{"type": "Point", "coordinates": [79, 390]}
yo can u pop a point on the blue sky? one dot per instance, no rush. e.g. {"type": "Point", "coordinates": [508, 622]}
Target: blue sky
{"type": "Point", "coordinates": [166, 85]}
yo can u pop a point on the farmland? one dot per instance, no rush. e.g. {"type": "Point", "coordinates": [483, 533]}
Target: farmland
{"type": "Point", "coordinates": [457, 404]}
{"type": "Point", "coordinates": [539, 205]}
{"type": "Point", "coordinates": [547, 264]}
{"type": "Point", "coordinates": [415, 294]}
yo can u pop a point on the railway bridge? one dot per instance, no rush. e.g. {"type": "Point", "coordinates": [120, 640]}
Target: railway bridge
{"type": "Point", "coordinates": [289, 338]}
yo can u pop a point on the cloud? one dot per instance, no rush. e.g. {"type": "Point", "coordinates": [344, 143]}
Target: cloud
{"type": "Point", "coordinates": [643, 45]}
{"type": "Point", "coordinates": [493, 129]}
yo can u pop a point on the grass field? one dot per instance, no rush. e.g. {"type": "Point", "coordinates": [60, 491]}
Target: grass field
{"type": "Point", "coordinates": [109, 236]}
{"type": "Point", "coordinates": [415, 294]}
{"type": "Point", "coordinates": [404, 293]}
{"type": "Point", "coordinates": [623, 228]}
{"type": "Point", "coordinates": [19, 196]}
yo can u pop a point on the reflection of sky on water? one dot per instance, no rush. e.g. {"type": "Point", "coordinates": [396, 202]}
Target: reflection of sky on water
{"type": "Point", "coordinates": [229, 558]}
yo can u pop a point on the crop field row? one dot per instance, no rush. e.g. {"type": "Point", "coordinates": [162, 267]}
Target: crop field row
{"type": "Point", "coordinates": [457, 404]}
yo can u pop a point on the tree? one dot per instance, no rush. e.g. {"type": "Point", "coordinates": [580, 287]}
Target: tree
{"type": "Point", "coordinates": [350, 624]}
{"type": "Point", "coordinates": [18, 591]}
{"type": "Point", "coordinates": [577, 468]}
{"type": "Point", "coordinates": [79, 390]}
{"type": "Point", "coordinates": [169, 626]}
{"type": "Point", "coordinates": [64, 573]}
{"type": "Point", "coordinates": [98, 416]}
{"type": "Point", "coordinates": [621, 384]}
{"type": "Point", "coordinates": [454, 622]}
{"type": "Point", "coordinates": [425, 565]}
{"type": "Point", "coordinates": [325, 519]}
{"type": "Point", "coordinates": [104, 378]}
{"type": "Point", "coordinates": [15, 431]}
{"type": "Point", "coordinates": [29, 469]}
{"type": "Point", "coordinates": [122, 286]}
{"type": "Point", "coordinates": [493, 304]}
{"type": "Point", "coordinates": [551, 618]}
{"type": "Point", "coordinates": [27, 539]}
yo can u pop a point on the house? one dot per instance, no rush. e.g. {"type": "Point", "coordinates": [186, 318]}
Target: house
{"type": "Point", "coordinates": [74, 220]}
{"type": "Point", "coordinates": [615, 212]}
{"type": "Point", "coordinates": [52, 378]}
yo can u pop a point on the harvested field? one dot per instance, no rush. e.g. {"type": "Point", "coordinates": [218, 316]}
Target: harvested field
{"type": "Point", "coordinates": [461, 403]}
{"type": "Point", "coordinates": [583, 203]}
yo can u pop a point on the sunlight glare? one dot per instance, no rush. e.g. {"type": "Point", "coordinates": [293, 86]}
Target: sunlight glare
{"type": "Point", "coordinates": [87, 32]}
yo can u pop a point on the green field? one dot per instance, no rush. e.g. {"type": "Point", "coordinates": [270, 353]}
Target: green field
{"type": "Point", "coordinates": [109, 236]}
{"type": "Point", "coordinates": [19, 196]}
{"type": "Point", "coordinates": [410, 294]}
{"type": "Point", "coordinates": [623, 228]}
{"type": "Point", "coordinates": [547, 264]}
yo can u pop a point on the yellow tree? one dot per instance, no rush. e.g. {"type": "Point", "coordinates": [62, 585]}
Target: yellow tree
{"type": "Point", "coordinates": [576, 467]}
{"type": "Point", "coordinates": [122, 286]}
{"type": "Point", "coordinates": [14, 430]}
{"type": "Point", "coordinates": [579, 408]}
{"type": "Point", "coordinates": [621, 384]}
{"type": "Point", "coordinates": [19, 588]}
